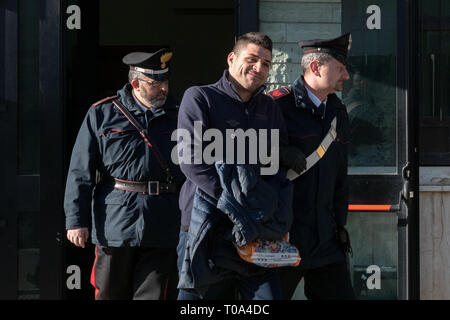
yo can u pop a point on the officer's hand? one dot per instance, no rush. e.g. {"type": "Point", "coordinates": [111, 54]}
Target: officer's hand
{"type": "Point", "coordinates": [78, 236]}
{"type": "Point", "coordinates": [292, 158]}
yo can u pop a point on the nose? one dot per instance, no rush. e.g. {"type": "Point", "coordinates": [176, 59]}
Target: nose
{"type": "Point", "coordinates": [346, 75]}
{"type": "Point", "coordinates": [164, 86]}
{"type": "Point", "coordinates": [257, 66]}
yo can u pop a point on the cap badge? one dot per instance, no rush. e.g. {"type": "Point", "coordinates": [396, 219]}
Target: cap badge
{"type": "Point", "coordinates": [165, 58]}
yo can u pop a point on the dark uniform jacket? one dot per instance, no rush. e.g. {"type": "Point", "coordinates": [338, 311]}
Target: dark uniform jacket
{"type": "Point", "coordinates": [321, 194]}
{"type": "Point", "coordinates": [219, 106]}
{"type": "Point", "coordinates": [109, 144]}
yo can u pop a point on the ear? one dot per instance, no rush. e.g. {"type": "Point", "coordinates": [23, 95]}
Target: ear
{"type": "Point", "coordinates": [314, 66]}
{"type": "Point", "coordinates": [230, 58]}
{"type": "Point", "coordinates": [135, 84]}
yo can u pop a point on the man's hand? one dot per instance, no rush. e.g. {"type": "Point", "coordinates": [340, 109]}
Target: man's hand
{"type": "Point", "coordinates": [78, 236]}
{"type": "Point", "coordinates": [292, 158]}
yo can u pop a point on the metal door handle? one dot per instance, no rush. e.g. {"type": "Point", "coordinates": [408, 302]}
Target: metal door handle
{"type": "Point", "coordinates": [373, 207]}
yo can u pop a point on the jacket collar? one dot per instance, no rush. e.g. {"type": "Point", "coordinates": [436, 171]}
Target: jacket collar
{"type": "Point", "coordinates": [228, 88]}
{"type": "Point", "coordinates": [126, 96]}
{"type": "Point", "coordinates": [302, 99]}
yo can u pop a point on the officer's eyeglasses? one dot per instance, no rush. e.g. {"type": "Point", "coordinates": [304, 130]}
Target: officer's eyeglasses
{"type": "Point", "coordinates": [156, 84]}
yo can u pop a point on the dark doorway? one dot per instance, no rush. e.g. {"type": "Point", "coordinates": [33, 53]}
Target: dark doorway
{"type": "Point", "coordinates": [200, 34]}
{"type": "Point", "coordinates": [31, 139]}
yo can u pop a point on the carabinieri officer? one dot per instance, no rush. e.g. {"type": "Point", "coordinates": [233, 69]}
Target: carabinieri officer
{"type": "Point", "coordinates": [122, 183]}
{"type": "Point", "coordinates": [317, 123]}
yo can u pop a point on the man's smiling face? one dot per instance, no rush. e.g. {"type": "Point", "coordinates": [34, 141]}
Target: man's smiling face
{"type": "Point", "coordinates": [250, 67]}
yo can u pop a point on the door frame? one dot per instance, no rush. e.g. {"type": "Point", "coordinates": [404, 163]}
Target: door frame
{"type": "Point", "coordinates": [52, 150]}
{"type": "Point", "coordinates": [19, 191]}
{"type": "Point", "coordinates": [246, 16]}
{"type": "Point", "coordinates": [8, 130]}
{"type": "Point", "coordinates": [409, 15]}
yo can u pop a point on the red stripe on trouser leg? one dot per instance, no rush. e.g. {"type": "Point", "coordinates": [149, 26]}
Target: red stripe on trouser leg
{"type": "Point", "coordinates": [166, 287]}
{"type": "Point", "coordinates": [93, 275]}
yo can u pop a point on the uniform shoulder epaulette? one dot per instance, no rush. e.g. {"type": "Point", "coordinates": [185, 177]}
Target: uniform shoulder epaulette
{"type": "Point", "coordinates": [104, 100]}
{"type": "Point", "coordinates": [278, 93]}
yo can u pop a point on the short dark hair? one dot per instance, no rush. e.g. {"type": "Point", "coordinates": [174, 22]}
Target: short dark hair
{"type": "Point", "coordinates": [257, 38]}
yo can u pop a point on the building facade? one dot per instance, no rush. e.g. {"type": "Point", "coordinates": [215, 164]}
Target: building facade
{"type": "Point", "coordinates": [59, 57]}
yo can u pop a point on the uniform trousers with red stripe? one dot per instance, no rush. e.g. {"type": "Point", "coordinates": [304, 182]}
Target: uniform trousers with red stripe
{"type": "Point", "coordinates": [138, 273]}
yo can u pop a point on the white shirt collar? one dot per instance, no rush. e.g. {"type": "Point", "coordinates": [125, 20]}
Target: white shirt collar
{"type": "Point", "coordinates": [314, 98]}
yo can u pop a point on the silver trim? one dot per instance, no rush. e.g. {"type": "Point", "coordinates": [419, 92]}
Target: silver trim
{"type": "Point", "coordinates": [150, 71]}
{"type": "Point", "coordinates": [150, 188]}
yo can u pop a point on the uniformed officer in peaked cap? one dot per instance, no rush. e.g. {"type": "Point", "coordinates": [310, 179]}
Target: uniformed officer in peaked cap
{"type": "Point", "coordinates": [337, 47]}
{"type": "Point", "coordinates": [133, 206]}
{"type": "Point", "coordinates": [318, 128]}
{"type": "Point", "coordinates": [153, 65]}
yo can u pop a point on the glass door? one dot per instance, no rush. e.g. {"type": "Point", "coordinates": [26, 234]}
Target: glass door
{"type": "Point", "coordinates": [379, 164]}
{"type": "Point", "coordinates": [382, 149]}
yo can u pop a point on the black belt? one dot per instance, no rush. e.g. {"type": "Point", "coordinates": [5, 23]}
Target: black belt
{"type": "Point", "coordinates": [147, 187]}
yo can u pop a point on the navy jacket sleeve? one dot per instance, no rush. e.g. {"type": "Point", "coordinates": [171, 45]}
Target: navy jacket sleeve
{"type": "Point", "coordinates": [81, 174]}
{"type": "Point", "coordinates": [195, 107]}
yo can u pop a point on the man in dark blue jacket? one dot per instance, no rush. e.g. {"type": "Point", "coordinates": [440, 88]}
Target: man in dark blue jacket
{"type": "Point", "coordinates": [321, 193]}
{"type": "Point", "coordinates": [118, 185]}
{"type": "Point", "coordinates": [236, 101]}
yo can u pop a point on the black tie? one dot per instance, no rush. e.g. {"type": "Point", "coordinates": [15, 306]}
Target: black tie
{"type": "Point", "coordinates": [320, 111]}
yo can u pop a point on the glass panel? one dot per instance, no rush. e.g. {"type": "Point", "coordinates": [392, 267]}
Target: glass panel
{"type": "Point", "coordinates": [434, 41]}
{"type": "Point", "coordinates": [370, 95]}
{"type": "Point", "coordinates": [374, 241]}
{"type": "Point", "coordinates": [434, 84]}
